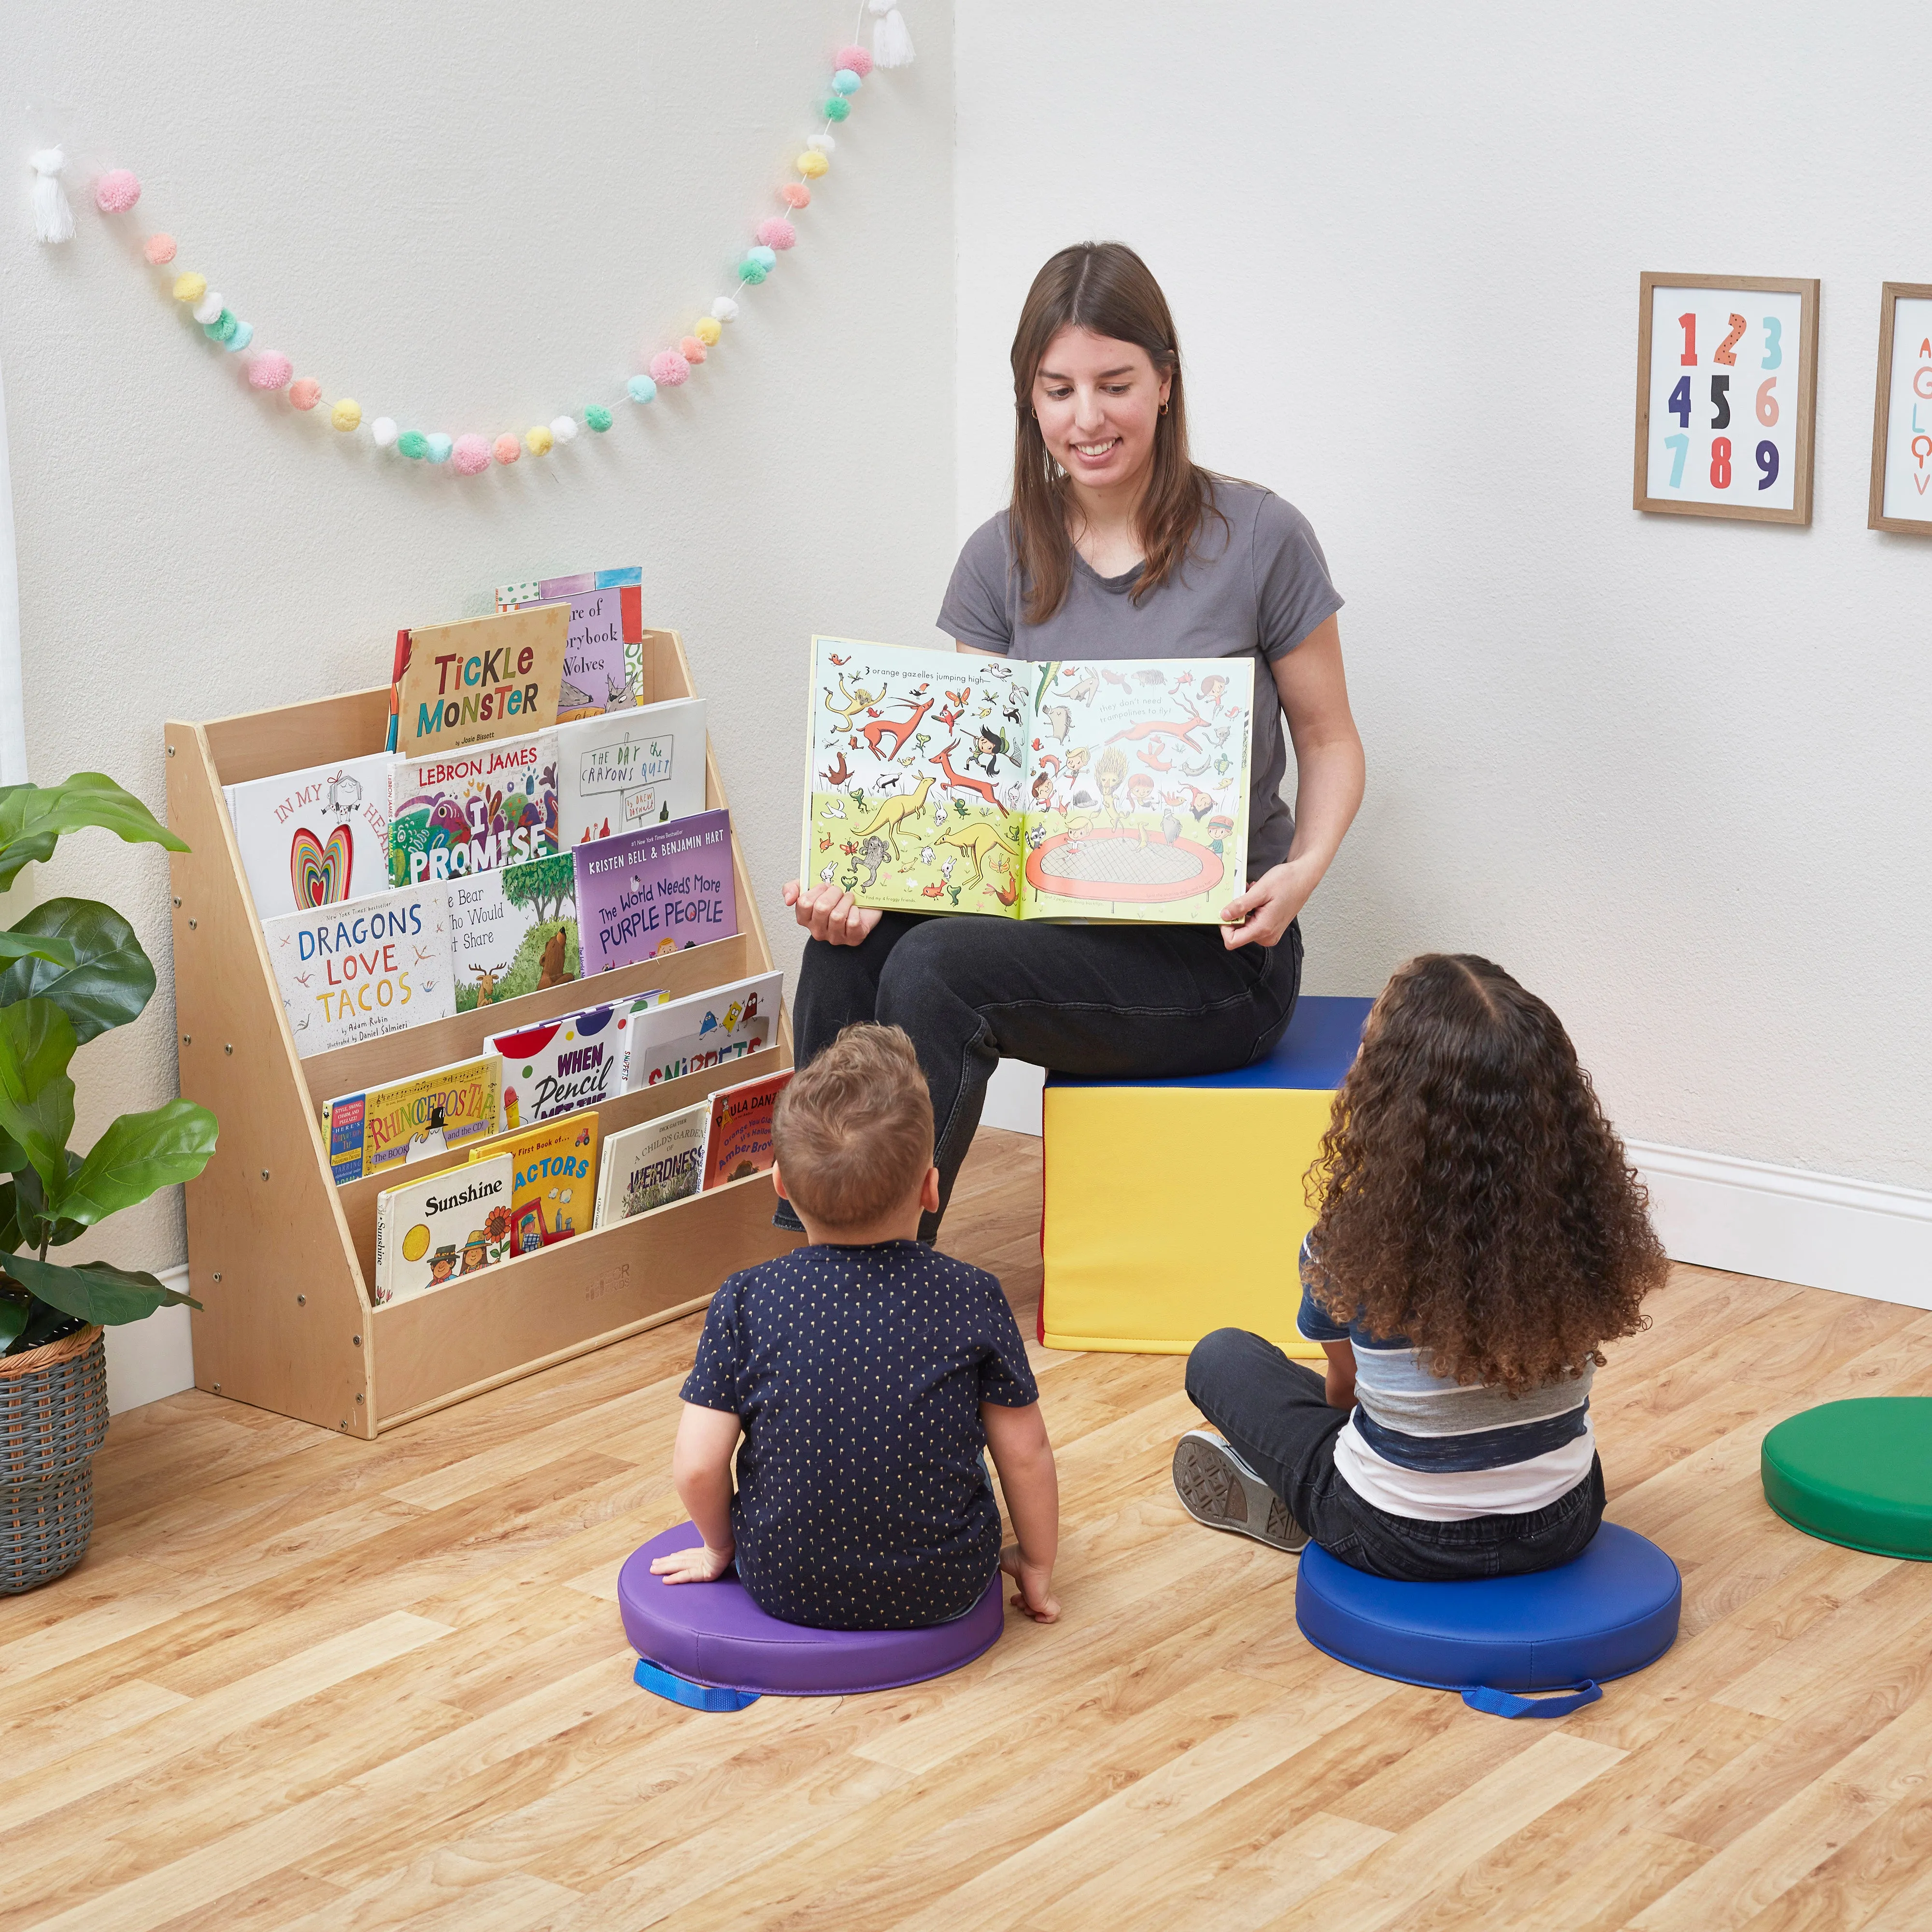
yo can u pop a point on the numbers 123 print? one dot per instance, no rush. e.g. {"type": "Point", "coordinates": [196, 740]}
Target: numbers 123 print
{"type": "Point", "coordinates": [1726, 379]}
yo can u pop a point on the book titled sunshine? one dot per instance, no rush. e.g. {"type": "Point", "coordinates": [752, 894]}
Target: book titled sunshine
{"type": "Point", "coordinates": [1104, 789]}
{"type": "Point", "coordinates": [431, 1232]}
{"type": "Point", "coordinates": [386, 1127]}
{"type": "Point", "coordinates": [468, 683]}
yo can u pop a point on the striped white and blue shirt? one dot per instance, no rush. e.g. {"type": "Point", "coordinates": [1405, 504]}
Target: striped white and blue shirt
{"type": "Point", "coordinates": [1417, 1445]}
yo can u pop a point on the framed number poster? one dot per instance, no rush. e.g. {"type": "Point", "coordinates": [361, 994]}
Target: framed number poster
{"type": "Point", "coordinates": [1726, 381]}
{"type": "Point", "coordinates": [1901, 475]}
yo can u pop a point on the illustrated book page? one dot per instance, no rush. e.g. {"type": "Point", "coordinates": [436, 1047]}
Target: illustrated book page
{"type": "Point", "coordinates": [514, 931]}
{"type": "Point", "coordinates": [316, 837]}
{"type": "Point", "coordinates": [472, 683]}
{"type": "Point", "coordinates": [630, 769]}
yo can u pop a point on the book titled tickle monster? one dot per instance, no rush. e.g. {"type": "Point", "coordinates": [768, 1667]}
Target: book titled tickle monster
{"type": "Point", "coordinates": [552, 1195]}
{"type": "Point", "coordinates": [430, 1232]}
{"type": "Point", "coordinates": [739, 1140]}
{"type": "Point", "coordinates": [470, 683]}
{"type": "Point", "coordinates": [603, 655]}
{"type": "Point", "coordinates": [382, 1128]}
{"type": "Point", "coordinates": [461, 812]}
{"type": "Point", "coordinates": [353, 973]}
{"type": "Point", "coordinates": [644, 893]}
{"type": "Point", "coordinates": [653, 1165]}
{"type": "Point", "coordinates": [558, 1066]}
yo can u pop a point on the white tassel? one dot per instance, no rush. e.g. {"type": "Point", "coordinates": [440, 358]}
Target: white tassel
{"type": "Point", "coordinates": [891, 45]}
{"type": "Point", "coordinates": [53, 220]}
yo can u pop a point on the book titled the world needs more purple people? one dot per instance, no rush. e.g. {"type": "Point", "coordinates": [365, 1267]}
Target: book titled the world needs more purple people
{"type": "Point", "coordinates": [654, 891]}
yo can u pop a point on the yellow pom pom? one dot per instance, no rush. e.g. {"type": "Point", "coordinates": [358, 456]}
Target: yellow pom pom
{"type": "Point", "coordinates": [347, 414]}
{"type": "Point", "coordinates": [191, 288]}
{"type": "Point", "coordinates": [707, 329]}
{"type": "Point", "coordinates": [812, 164]}
{"type": "Point", "coordinates": [537, 441]}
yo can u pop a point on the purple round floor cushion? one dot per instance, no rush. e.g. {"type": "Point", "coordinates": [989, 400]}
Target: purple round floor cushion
{"type": "Point", "coordinates": [713, 1634]}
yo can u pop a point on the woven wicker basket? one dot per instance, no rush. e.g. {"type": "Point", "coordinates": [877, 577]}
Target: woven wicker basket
{"type": "Point", "coordinates": [53, 1415]}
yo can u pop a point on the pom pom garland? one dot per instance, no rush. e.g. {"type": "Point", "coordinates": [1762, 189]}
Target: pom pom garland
{"type": "Point", "coordinates": [383, 429]}
{"type": "Point", "coordinates": [223, 327]}
{"type": "Point", "coordinates": [846, 81]}
{"type": "Point", "coordinates": [345, 415]}
{"type": "Point", "coordinates": [439, 446]}
{"type": "Point", "coordinates": [669, 369]}
{"type": "Point", "coordinates": [776, 233]}
{"type": "Point", "coordinates": [506, 448]}
{"type": "Point", "coordinates": [305, 392]}
{"type": "Point", "coordinates": [597, 417]}
{"type": "Point", "coordinates": [642, 389]}
{"type": "Point", "coordinates": [891, 45]}
{"type": "Point", "coordinates": [837, 107]}
{"type": "Point", "coordinates": [854, 59]}
{"type": "Point", "coordinates": [413, 444]}
{"type": "Point", "coordinates": [725, 309]}
{"type": "Point", "coordinates": [53, 220]}
{"type": "Point", "coordinates": [471, 456]}
{"type": "Point", "coordinates": [189, 288]}
{"type": "Point", "coordinates": [795, 194]}
{"type": "Point", "coordinates": [269, 369]}
{"type": "Point", "coordinates": [537, 440]}
{"type": "Point", "coordinates": [822, 141]}
{"type": "Point", "coordinates": [159, 249]}
{"type": "Point", "coordinates": [812, 164]}
{"type": "Point", "coordinates": [691, 349]}
{"type": "Point", "coordinates": [707, 329]}
{"type": "Point", "coordinates": [116, 191]}
{"type": "Point", "coordinates": [752, 271]}
{"type": "Point", "coordinates": [209, 308]}
{"type": "Point", "coordinates": [244, 334]}
{"type": "Point", "coordinates": [563, 429]}
{"type": "Point", "coordinates": [765, 258]}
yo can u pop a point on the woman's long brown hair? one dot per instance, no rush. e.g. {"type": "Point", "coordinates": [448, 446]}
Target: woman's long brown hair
{"type": "Point", "coordinates": [1106, 287]}
{"type": "Point", "coordinates": [1473, 1198]}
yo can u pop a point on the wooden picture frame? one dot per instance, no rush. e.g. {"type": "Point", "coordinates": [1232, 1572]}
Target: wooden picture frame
{"type": "Point", "coordinates": [1917, 407]}
{"type": "Point", "coordinates": [1770, 454]}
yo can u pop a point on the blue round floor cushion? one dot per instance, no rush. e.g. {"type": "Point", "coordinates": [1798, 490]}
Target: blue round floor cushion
{"type": "Point", "coordinates": [1611, 1611]}
{"type": "Point", "coordinates": [708, 1646]}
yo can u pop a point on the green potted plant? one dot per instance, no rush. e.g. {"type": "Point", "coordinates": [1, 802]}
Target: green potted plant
{"type": "Point", "coordinates": [69, 970]}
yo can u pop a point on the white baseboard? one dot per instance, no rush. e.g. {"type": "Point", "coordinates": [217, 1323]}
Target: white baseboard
{"type": "Point", "coordinates": [1013, 1097]}
{"type": "Point", "coordinates": [147, 1360]}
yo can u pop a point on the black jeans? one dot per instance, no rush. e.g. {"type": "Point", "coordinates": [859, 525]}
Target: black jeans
{"type": "Point", "coordinates": [1276, 1413]}
{"type": "Point", "coordinates": [1110, 1002]}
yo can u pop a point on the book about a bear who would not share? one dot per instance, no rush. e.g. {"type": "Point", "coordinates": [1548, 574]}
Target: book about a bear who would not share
{"type": "Point", "coordinates": [642, 894]}
{"type": "Point", "coordinates": [319, 836]}
{"type": "Point", "coordinates": [449, 1225]}
{"type": "Point", "coordinates": [552, 1192]}
{"type": "Point", "coordinates": [384, 1128]}
{"type": "Point", "coordinates": [653, 1164]}
{"type": "Point", "coordinates": [471, 682]}
{"type": "Point", "coordinates": [1111, 789]}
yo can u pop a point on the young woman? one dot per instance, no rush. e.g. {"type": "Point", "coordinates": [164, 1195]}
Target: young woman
{"type": "Point", "coordinates": [1117, 545]}
{"type": "Point", "coordinates": [1481, 1238]}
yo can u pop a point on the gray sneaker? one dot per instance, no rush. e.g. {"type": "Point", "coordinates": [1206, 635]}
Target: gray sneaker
{"type": "Point", "coordinates": [1217, 1488]}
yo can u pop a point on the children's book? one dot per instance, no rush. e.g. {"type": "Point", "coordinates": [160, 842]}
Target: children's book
{"type": "Point", "coordinates": [653, 1165]}
{"type": "Point", "coordinates": [351, 973]}
{"type": "Point", "coordinates": [471, 683]}
{"type": "Point", "coordinates": [603, 661]}
{"type": "Point", "coordinates": [738, 1141]}
{"type": "Point", "coordinates": [944, 782]}
{"type": "Point", "coordinates": [629, 770]}
{"type": "Point", "coordinates": [514, 930]}
{"type": "Point", "coordinates": [430, 1232]}
{"type": "Point", "coordinates": [552, 1192]}
{"type": "Point", "coordinates": [315, 837]}
{"type": "Point", "coordinates": [386, 1127]}
{"type": "Point", "coordinates": [558, 1066]}
{"type": "Point", "coordinates": [640, 894]}
{"type": "Point", "coordinates": [461, 812]}
{"type": "Point", "coordinates": [675, 1037]}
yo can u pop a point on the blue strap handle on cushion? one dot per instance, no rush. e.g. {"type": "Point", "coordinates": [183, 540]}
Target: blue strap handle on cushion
{"type": "Point", "coordinates": [1507, 1704]}
{"type": "Point", "coordinates": [667, 1684]}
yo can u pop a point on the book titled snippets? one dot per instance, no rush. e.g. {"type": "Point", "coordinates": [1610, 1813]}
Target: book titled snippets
{"type": "Point", "coordinates": [433, 1231]}
{"type": "Point", "coordinates": [559, 1065]}
{"type": "Point", "coordinates": [454, 814]}
{"type": "Point", "coordinates": [352, 973]}
{"type": "Point", "coordinates": [738, 1141]}
{"type": "Point", "coordinates": [316, 837]}
{"type": "Point", "coordinates": [472, 682]}
{"type": "Point", "coordinates": [642, 894]}
{"type": "Point", "coordinates": [384, 1128]}
{"type": "Point", "coordinates": [628, 769]}
{"type": "Point", "coordinates": [554, 1165]}
{"type": "Point", "coordinates": [675, 1037]}
{"type": "Point", "coordinates": [603, 650]}
{"type": "Point", "coordinates": [651, 1165]}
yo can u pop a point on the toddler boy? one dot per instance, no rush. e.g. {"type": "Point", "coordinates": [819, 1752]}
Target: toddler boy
{"type": "Point", "coordinates": [868, 1375]}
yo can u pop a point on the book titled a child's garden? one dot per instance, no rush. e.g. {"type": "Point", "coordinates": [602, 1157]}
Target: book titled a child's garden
{"type": "Point", "coordinates": [943, 782]}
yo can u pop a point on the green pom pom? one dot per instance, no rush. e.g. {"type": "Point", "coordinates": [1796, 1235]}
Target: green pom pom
{"type": "Point", "coordinates": [749, 270]}
{"type": "Point", "coordinates": [837, 107]}
{"type": "Point", "coordinates": [597, 417]}
{"type": "Point", "coordinates": [413, 443]}
{"type": "Point", "coordinates": [223, 327]}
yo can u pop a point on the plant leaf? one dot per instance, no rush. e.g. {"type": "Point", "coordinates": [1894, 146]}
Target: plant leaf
{"type": "Point", "coordinates": [32, 818]}
{"type": "Point", "coordinates": [30, 1207]}
{"type": "Point", "coordinates": [106, 979]}
{"type": "Point", "coordinates": [14, 1310]}
{"type": "Point", "coordinates": [22, 943]}
{"type": "Point", "coordinates": [36, 1097]}
{"type": "Point", "coordinates": [138, 1155]}
{"type": "Point", "coordinates": [94, 1291]}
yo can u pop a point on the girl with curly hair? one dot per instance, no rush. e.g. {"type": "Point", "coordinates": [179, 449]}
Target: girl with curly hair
{"type": "Point", "coordinates": [1480, 1237]}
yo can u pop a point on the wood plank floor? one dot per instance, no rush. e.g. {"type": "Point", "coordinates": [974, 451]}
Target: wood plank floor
{"type": "Point", "coordinates": [302, 1682]}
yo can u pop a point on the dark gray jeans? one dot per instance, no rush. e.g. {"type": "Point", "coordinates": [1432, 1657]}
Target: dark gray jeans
{"type": "Point", "coordinates": [1108, 1002]}
{"type": "Point", "coordinates": [1276, 1413]}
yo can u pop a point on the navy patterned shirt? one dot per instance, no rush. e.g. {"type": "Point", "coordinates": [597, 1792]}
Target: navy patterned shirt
{"type": "Point", "coordinates": [863, 1500]}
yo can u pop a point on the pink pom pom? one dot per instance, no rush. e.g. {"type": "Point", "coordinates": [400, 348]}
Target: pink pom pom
{"type": "Point", "coordinates": [507, 448]}
{"type": "Point", "coordinates": [270, 370]}
{"type": "Point", "coordinates": [857, 59]}
{"type": "Point", "coordinates": [777, 233]}
{"type": "Point", "coordinates": [668, 368]}
{"type": "Point", "coordinates": [159, 249]}
{"type": "Point", "coordinates": [471, 455]}
{"type": "Point", "coordinates": [691, 349]}
{"type": "Point", "coordinates": [116, 191]}
{"type": "Point", "coordinates": [795, 194]}
{"type": "Point", "coordinates": [306, 393]}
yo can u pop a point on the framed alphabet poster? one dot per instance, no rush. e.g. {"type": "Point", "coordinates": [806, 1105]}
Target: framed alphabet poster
{"type": "Point", "coordinates": [1726, 381]}
{"type": "Point", "coordinates": [1901, 475]}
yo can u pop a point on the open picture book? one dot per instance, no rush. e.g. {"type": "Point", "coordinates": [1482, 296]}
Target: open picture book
{"type": "Point", "coordinates": [942, 782]}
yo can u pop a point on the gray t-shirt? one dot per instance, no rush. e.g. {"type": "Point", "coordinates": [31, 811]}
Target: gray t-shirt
{"type": "Point", "coordinates": [1260, 586]}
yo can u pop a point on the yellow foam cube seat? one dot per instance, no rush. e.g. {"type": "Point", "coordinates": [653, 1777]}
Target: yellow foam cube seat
{"type": "Point", "coordinates": [1174, 1207]}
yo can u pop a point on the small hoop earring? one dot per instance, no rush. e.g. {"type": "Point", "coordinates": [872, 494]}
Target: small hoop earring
{"type": "Point", "coordinates": [1163, 409]}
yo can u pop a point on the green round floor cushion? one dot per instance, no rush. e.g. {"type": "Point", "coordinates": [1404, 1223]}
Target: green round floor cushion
{"type": "Point", "coordinates": [1858, 1473]}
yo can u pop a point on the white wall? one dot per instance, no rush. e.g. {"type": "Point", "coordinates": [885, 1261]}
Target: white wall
{"type": "Point", "coordinates": [1673, 772]}
{"type": "Point", "coordinates": [465, 227]}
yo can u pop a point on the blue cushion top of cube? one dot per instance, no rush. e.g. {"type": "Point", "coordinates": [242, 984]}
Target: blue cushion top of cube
{"type": "Point", "coordinates": [1315, 1052]}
